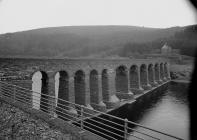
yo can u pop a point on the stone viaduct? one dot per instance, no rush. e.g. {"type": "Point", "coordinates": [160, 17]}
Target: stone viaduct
{"type": "Point", "coordinates": [96, 83]}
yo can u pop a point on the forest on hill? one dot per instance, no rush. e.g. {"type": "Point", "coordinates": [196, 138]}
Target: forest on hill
{"type": "Point", "coordinates": [185, 40]}
{"type": "Point", "coordinates": [95, 41]}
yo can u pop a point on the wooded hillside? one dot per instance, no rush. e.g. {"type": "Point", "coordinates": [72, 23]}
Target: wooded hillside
{"type": "Point", "coordinates": [95, 41]}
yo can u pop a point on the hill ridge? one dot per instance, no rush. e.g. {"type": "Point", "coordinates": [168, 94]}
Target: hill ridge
{"type": "Point", "coordinates": [79, 41]}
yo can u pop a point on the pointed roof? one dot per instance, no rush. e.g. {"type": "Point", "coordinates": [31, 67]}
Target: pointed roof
{"type": "Point", "coordinates": [165, 46]}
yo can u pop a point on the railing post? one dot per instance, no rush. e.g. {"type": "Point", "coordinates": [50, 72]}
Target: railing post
{"type": "Point", "coordinates": [0, 89]}
{"type": "Point", "coordinates": [82, 114]}
{"type": "Point", "coordinates": [52, 101]}
{"type": "Point", "coordinates": [125, 128]}
{"type": "Point", "coordinates": [14, 93]}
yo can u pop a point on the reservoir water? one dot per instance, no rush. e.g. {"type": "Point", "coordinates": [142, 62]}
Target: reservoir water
{"type": "Point", "coordinates": [166, 110]}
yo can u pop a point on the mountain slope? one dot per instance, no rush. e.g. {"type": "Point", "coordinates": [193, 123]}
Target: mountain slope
{"type": "Point", "coordinates": [77, 41]}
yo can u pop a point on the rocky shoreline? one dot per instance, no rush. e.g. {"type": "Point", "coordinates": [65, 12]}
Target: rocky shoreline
{"type": "Point", "coordinates": [181, 72]}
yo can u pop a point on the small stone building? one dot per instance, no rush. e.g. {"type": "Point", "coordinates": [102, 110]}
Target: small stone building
{"type": "Point", "coordinates": [166, 50]}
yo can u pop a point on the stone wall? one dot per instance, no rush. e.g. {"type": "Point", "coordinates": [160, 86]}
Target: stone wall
{"type": "Point", "coordinates": [95, 83]}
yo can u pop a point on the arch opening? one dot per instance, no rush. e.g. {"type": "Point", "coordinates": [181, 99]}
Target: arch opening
{"type": "Point", "coordinates": [94, 89]}
{"type": "Point", "coordinates": [156, 72]}
{"type": "Point", "coordinates": [166, 70]}
{"type": "Point", "coordinates": [61, 91]}
{"type": "Point", "coordinates": [121, 80]}
{"type": "Point", "coordinates": [79, 86]}
{"type": "Point", "coordinates": [105, 86]}
{"type": "Point", "coordinates": [134, 79]}
{"type": "Point", "coordinates": [143, 75]}
{"type": "Point", "coordinates": [40, 90]}
{"type": "Point", "coordinates": [161, 71]}
{"type": "Point", "coordinates": [150, 74]}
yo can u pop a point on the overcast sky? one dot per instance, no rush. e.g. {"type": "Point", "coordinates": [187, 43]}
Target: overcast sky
{"type": "Point", "coordinates": [18, 15]}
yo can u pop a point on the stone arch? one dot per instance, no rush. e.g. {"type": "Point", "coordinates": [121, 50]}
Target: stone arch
{"type": "Point", "coordinates": [150, 74]}
{"type": "Point", "coordinates": [79, 86]}
{"type": "Point", "coordinates": [121, 79]}
{"type": "Point", "coordinates": [166, 70]}
{"type": "Point", "coordinates": [94, 89]}
{"type": "Point", "coordinates": [40, 90]}
{"type": "Point", "coordinates": [157, 77]}
{"type": "Point", "coordinates": [105, 85]}
{"type": "Point", "coordinates": [134, 78]}
{"type": "Point", "coordinates": [61, 91]}
{"type": "Point", "coordinates": [63, 86]}
{"type": "Point", "coordinates": [143, 75]}
{"type": "Point", "coordinates": [161, 72]}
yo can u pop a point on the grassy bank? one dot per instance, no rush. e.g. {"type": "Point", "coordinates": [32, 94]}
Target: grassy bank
{"type": "Point", "coordinates": [18, 125]}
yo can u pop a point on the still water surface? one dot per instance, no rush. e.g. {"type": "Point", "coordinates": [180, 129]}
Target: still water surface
{"type": "Point", "coordinates": [167, 111]}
